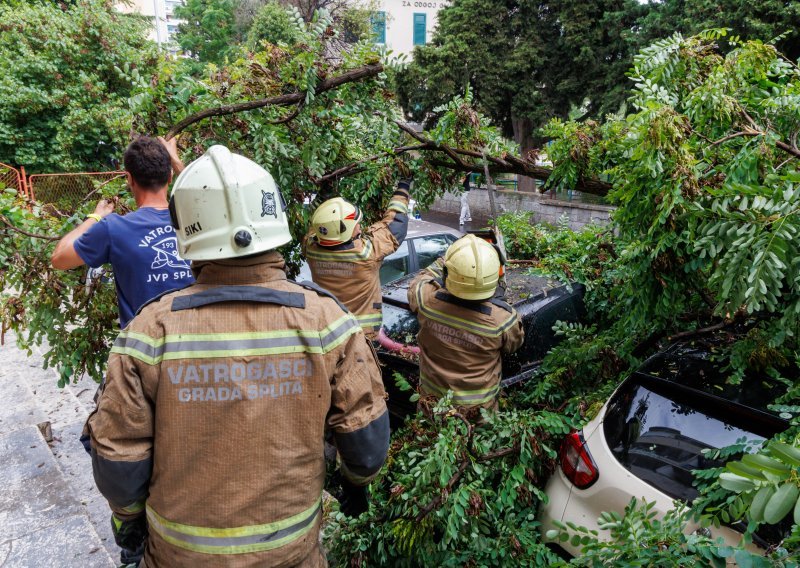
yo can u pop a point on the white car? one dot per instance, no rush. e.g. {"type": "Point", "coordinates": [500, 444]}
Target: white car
{"type": "Point", "coordinates": [651, 434]}
{"type": "Point", "coordinates": [424, 243]}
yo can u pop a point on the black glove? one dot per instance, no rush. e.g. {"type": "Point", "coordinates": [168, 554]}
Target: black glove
{"type": "Point", "coordinates": [405, 183]}
{"type": "Point", "coordinates": [130, 536]}
{"type": "Point", "coordinates": [131, 558]}
{"type": "Point", "coordinates": [354, 500]}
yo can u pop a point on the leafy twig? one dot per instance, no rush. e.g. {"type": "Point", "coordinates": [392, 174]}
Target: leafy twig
{"type": "Point", "coordinates": [13, 227]}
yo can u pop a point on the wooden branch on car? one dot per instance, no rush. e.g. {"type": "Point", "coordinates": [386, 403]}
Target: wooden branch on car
{"type": "Point", "coordinates": [351, 76]}
{"type": "Point", "coordinates": [700, 331]}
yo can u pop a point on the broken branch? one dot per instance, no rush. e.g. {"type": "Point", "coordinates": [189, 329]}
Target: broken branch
{"type": "Point", "coordinates": [282, 100]}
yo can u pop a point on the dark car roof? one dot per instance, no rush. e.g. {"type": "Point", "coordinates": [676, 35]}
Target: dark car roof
{"type": "Point", "coordinates": [521, 287]}
{"type": "Point", "coordinates": [703, 366]}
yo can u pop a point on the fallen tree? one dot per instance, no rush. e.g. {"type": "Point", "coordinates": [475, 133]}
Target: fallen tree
{"type": "Point", "coordinates": [708, 207]}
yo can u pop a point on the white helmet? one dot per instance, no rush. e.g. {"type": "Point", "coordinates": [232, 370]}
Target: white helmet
{"type": "Point", "coordinates": [224, 205]}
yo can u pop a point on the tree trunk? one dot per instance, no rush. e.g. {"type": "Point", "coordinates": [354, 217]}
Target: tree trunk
{"type": "Point", "coordinates": [523, 135]}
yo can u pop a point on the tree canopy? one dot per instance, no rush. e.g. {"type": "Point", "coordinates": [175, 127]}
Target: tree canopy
{"type": "Point", "coordinates": [207, 31]}
{"type": "Point", "coordinates": [528, 62]}
{"type": "Point", "coordinates": [66, 73]}
{"type": "Point", "coordinates": [525, 62]}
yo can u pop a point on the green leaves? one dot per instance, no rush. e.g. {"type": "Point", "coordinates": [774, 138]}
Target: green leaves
{"type": "Point", "coordinates": [641, 537]}
{"type": "Point", "coordinates": [65, 75]}
{"type": "Point", "coordinates": [781, 503]}
{"type": "Point", "coordinates": [442, 501]}
{"type": "Point", "coordinates": [767, 482]}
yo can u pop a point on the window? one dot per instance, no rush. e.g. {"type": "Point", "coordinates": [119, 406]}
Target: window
{"type": "Point", "coordinates": [420, 23]}
{"type": "Point", "coordinates": [379, 27]}
{"type": "Point", "coordinates": [430, 248]}
{"type": "Point", "coordinates": [660, 437]}
{"type": "Point", "coordinates": [395, 265]}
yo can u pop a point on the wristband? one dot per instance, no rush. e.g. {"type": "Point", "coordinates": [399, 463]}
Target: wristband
{"type": "Point", "coordinates": [94, 216]}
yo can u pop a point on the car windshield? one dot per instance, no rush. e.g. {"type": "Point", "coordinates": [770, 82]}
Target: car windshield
{"type": "Point", "coordinates": [430, 248]}
{"type": "Point", "coordinates": [399, 325]}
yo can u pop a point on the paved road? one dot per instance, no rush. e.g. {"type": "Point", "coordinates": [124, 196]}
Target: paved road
{"type": "Point", "coordinates": [451, 220]}
{"type": "Point", "coordinates": [51, 514]}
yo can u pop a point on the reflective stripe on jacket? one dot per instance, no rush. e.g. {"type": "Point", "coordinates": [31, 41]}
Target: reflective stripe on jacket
{"type": "Point", "coordinates": [461, 342]}
{"type": "Point", "coordinates": [351, 271]}
{"type": "Point", "coordinates": [214, 411]}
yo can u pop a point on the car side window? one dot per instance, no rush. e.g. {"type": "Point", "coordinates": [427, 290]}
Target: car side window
{"type": "Point", "coordinates": [396, 265]}
{"type": "Point", "coordinates": [430, 248]}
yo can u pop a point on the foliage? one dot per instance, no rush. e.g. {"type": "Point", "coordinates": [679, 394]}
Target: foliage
{"type": "Point", "coordinates": [704, 176]}
{"type": "Point", "coordinates": [65, 75]}
{"type": "Point", "coordinates": [762, 485]}
{"type": "Point", "coordinates": [704, 180]}
{"type": "Point", "coordinates": [525, 62]}
{"type": "Point", "coordinates": [455, 493]}
{"type": "Point", "coordinates": [272, 23]}
{"type": "Point", "coordinates": [766, 19]}
{"type": "Point", "coordinates": [207, 30]}
{"type": "Point", "coordinates": [638, 537]}
{"type": "Point", "coordinates": [73, 315]}
{"type": "Point", "coordinates": [529, 63]}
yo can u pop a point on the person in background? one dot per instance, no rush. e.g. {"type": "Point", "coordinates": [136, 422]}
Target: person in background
{"type": "Point", "coordinates": [207, 440]}
{"type": "Point", "coordinates": [141, 246]}
{"type": "Point", "coordinates": [464, 327]}
{"type": "Point", "coordinates": [346, 260]}
{"type": "Point", "coordinates": [465, 214]}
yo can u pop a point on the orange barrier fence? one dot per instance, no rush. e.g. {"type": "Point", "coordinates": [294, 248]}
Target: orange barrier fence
{"type": "Point", "coordinates": [67, 191]}
{"type": "Point", "coordinates": [13, 178]}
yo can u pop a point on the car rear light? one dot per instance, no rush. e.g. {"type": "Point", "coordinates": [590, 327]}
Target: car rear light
{"type": "Point", "coordinates": [576, 461]}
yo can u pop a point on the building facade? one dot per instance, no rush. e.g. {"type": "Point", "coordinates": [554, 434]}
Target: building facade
{"type": "Point", "coordinates": [401, 25]}
{"type": "Point", "coordinates": [165, 25]}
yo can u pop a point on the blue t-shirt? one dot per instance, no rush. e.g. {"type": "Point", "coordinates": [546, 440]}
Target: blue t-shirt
{"type": "Point", "coordinates": [143, 252]}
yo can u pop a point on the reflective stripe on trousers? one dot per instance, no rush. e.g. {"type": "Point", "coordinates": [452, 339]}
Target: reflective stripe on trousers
{"type": "Point", "coordinates": [236, 540]}
{"type": "Point", "coordinates": [464, 397]}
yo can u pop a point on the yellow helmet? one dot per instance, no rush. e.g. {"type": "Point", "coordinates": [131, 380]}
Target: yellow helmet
{"type": "Point", "coordinates": [472, 269]}
{"type": "Point", "coordinates": [224, 205]}
{"type": "Point", "coordinates": [334, 221]}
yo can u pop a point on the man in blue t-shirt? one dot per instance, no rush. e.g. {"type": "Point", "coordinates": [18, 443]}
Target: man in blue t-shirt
{"type": "Point", "coordinates": [140, 246]}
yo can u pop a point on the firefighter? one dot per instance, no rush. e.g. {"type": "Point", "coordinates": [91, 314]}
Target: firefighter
{"type": "Point", "coordinates": [208, 433]}
{"type": "Point", "coordinates": [464, 325]}
{"type": "Point", "coordinates": [346, 260]}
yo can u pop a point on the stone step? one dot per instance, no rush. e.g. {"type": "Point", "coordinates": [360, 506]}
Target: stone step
{"type": "Point", "coordinates": [49, 506]}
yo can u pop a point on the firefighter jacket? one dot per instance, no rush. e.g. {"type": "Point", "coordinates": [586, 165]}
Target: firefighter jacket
{"type": "Point", "coordinates": [212, 418]}
{"type": "Point", "coordinates": [460, 341]}
{"type": "Point", "coordinates": [351, 271]}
